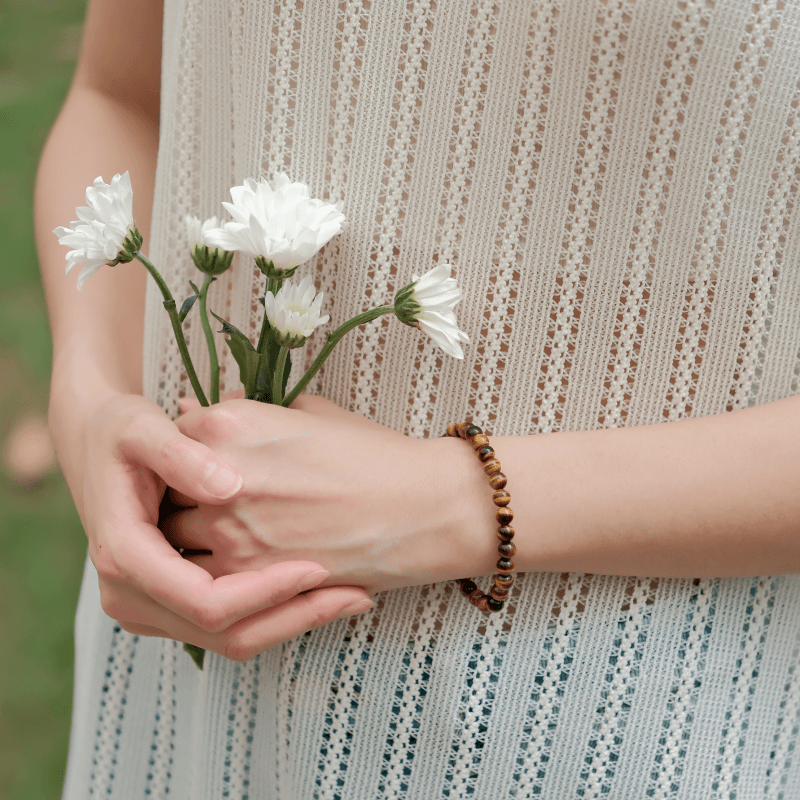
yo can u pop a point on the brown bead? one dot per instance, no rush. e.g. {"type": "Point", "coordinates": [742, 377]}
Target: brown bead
{"type": "Point", "coordinates": [481, 440]}
{"type": "Point", "coordinates": [507, 549]}
{"type": "Point", "coordinates": [504, 581]}
{"type": "Point", "coordinates": [475, 596]}
{"type": "Point", "coordinates": [473, 430]}
{"type": "Point", "coordinates": [462, 429]}
{"type": "Point", "coordinates": [486, 452]}
{"type": "Point", "coordinates": [491, 466]}
{"type": "Point", "coordinates": [494, 605]}
{"type": "Point", "coordinates": [505, 532]}
{"type": "Point", "coordinates": [504, 515]}
{"type": "Point", "coordinates": [452, 430]}
{"type": "Point", "coordinates": [505, 566]}
{"type": "Point", "coordinates": [501, 498]}
{"type": "Point", "coordinates": [483, 603]}
{"type": "Point", "coordinates": [499, 594]}
{"type": "Point", "coordinates": [468, 587]}
{"type": "Point", "coordinates": [498, 480]}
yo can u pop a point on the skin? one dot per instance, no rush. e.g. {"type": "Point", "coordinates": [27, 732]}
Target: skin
{"type": "Point", "coordinates": [328, 496]}
{"type": "Point", "coordinates": [117, 450]}
{"type": "Point", "coordinates": [715, 496]}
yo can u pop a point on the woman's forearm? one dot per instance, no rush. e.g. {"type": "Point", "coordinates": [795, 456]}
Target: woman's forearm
{"type": "Point", "coordinates": [714, 496]}
{"type": "Point", "coordinates": [97, 332]}
{"type": "Point", "coordinates": [101, 325]}
{"type": "Point", "coordinates": [109, 124]}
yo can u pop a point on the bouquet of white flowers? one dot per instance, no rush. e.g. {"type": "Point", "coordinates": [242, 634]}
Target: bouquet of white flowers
{"type": "Point", "coordinates": [282, 227]}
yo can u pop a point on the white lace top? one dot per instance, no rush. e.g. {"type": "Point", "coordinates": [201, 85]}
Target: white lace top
{"type": "Point", "coordinates": [615, 183]}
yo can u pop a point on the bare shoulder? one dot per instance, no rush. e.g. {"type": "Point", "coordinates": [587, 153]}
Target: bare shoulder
{"type": "Point", "coordinates": [121, 51]}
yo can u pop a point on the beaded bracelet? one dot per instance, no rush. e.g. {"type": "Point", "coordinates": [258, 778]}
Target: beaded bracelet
{"type": "Point", "coordinates": [504, 579]}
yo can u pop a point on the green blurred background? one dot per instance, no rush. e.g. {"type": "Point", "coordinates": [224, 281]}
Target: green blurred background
{"type": "Point", "coordinates": [42, 545]}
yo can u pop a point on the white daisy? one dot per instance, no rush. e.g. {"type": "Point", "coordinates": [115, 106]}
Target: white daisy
{"type": "Point", "coordinates": [104, 232]}
{"type": "Point", "coordinates": [428, 304]}
{"type": "Point", "coordinates": [279, 223]}
{"type": "Point", "coordinates": [294, 312]}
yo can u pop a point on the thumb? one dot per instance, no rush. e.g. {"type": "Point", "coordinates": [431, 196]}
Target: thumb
{"type": "Point", "coordinates": [184, 464]}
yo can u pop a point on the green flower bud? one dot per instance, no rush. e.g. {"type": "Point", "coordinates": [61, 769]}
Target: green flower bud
{"type": "Point", "coordinates": [211, 261]}
{"type": "Point", "coordinates": [131, 245]}
{"type": "Point", "coordinates": [271, 271]}
{"type": "Point", "coordinates": [406, 307]}
{"type": "Point", "coordinates": [288, 339]}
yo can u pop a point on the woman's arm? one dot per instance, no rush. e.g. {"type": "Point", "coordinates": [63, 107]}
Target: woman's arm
{"type": "Point", "coordinates": [712, 496]}
{"type": "Point", "coordinates": [109, 124]}
{"type": "Point", "coordinates": [118, 450]}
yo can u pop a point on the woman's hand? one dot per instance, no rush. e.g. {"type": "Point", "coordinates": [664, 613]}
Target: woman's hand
{"type": "Point", "coordinates": [375, 508]}
{"type": "Point", "coordinates": [128, 451]}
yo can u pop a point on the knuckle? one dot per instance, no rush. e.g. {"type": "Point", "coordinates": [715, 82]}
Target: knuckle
{"type": "Point", "coordinates": [315, 610]}
{"type": "Point", "coordinates": [106, 564]}
{"type": "Point", "coordinates": [132, 627]}
{"type": "Point", "coordinates": [135, 428]}
{"type": "Point", "coordinates": [211, 617]}
{"type": "Point", "coordinates": [218, 423]}
{"type": "Point", "coordinates": [112, 604]}
{"type": "Point", "coordinates": [238, 649]}
{"type": "Point", "coordinates": [173, 452]}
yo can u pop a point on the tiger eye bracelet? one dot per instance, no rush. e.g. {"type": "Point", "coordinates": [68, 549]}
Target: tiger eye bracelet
{"type": "Point", "coordinates": [504, 578]}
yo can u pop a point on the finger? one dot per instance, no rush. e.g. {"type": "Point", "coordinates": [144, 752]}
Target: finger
{"type": "Point", "coordinates": [226, 421]}
{"type": "Point", "coordinates": [308, 611]}
{"type": "Point", "coordinates": [180, 499]}
{"type": "Point", "coordinates": [140, 570]}
{"type": "Point", "coordinates": [186, 404]}
{"type": "Point", "coordinates": [156, 570]}
{"type": "Point", "coordinates": [236, 394]}
{"type": "Point", "coordinates": [186, 529]}
{"type": "Point", "coordinates": [143, 630]}
{"type": "Point", "coordinates": [259, 632]}
{"type": "Point", "coordinates": [184, 464]}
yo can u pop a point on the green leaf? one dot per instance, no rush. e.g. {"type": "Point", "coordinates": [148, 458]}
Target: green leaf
{"type": "Point", "coordinates": [197, 654]}
{"type": "Point", "coordinates": [247, 357]}
{"type": "Point", "coordinates": [186, 307]}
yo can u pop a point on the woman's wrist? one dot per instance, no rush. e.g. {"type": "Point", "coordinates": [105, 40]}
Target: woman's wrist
{"type": "Point", "coordinates": [82, 382]}
{"type": "Point", "coordinates": [466, 527]}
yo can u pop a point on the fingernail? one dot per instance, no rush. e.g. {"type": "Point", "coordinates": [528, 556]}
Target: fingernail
{"type": "Point", "coordinates": [221, 481]}
{"type": "Point", "coordinates": [311, 580]}
{"type": "Point", "coordinates": [359, 607]}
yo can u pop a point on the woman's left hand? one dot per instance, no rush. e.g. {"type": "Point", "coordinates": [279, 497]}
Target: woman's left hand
{"type": "Point", "coordinates": [377, 509]}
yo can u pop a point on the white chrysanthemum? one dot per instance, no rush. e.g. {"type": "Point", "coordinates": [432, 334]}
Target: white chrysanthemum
{"type": "Point", "coordinates": [294, 311]}
{"type": "Point", "coordinates": [104, 232]}
{"type": "Point", "coordinates": [279, 222]}
{"type": "Point", "coordinates": [210, 260]}
{"type": "Point", "coordinates": [197, 230]}
{"type": "Point", "coordinates": [428, 303]}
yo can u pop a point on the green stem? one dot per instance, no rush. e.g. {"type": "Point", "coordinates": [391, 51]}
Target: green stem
{"type": "Point", "coordinates": [273, 285]}
{"type": "Point", "coordinates": [333, 339]}
{"type": "Point", "coordinates": [169, 304]}
{"type": "Point", "coordinates": [212, 347]}
{"type": "Point", "coordinates": [277, 376]}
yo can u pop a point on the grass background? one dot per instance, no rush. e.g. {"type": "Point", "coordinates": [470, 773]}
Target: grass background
{"type": "Point", "coordinates": [42, 545]}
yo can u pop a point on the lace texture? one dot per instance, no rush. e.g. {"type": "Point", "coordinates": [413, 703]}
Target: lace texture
{"type": "Point", "coordinates": [615, 184]}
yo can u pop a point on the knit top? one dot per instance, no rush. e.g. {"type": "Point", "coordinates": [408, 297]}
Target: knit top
{"type": "Point", "coordinates": [615, 185]}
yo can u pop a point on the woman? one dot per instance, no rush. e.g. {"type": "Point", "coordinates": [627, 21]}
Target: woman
{"type": "Point", "coordinates": [615, 186]}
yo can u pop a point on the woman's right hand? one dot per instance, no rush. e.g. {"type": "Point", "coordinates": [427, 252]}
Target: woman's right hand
{"type": "Point", "coordinates": [118, 459]}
